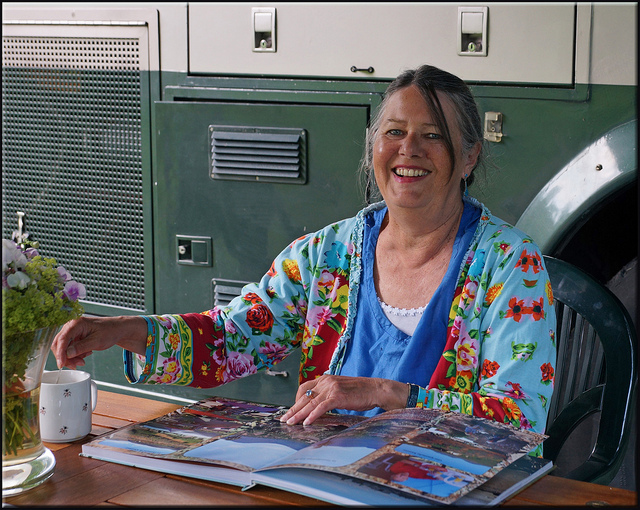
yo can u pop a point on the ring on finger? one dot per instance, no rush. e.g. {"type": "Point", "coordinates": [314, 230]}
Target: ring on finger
{"type": "Point", "coordinates": [309, 394]}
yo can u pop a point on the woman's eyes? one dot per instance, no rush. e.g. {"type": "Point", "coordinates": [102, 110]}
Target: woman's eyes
{"type": "Point", "coordinates": [399, 132]}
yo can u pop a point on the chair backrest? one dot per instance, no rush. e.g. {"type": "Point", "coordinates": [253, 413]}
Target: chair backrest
{"type": "Point", "coordinates": [595, 370]}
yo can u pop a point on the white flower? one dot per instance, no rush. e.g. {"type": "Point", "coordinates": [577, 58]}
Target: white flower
{"type": "Point", "coordinates": [11, 253]}
{"type": "Point", "coordinates": [18, 280]}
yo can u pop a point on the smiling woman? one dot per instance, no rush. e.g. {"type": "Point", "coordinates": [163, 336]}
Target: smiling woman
{"type": "Point", "coordinates": [412, 161]}
{"type": "Point", "coordinates": [407, 304]}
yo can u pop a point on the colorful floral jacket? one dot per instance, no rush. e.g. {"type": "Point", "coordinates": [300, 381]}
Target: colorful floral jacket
{"type": "Point", "coordinates": [499, 356]}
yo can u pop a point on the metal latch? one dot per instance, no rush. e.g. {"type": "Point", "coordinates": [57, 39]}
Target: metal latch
{"type": "Point", "coordinates": [19, 236]}
{"type": "Point", "coordinates": [264, 28]}
{"type": "Point", "coordinates": [493, 126]}
{"type": "Point", "coordinates": [193, 250]}
{"type": "Point", "coordinates": [472, 31]}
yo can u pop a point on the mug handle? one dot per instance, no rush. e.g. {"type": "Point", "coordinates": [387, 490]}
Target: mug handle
{"type": "Point", "coordinates": [94, 395]}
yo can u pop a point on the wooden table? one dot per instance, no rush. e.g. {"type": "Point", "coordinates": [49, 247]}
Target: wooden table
{"type": "Point", "coordinates": [80, 481]}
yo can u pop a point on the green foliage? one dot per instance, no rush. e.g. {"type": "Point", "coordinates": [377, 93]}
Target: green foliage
{"type": "Point", "coordinates": [40, 305]}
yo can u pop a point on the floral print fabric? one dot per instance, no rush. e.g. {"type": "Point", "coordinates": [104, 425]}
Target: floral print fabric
{"type": "Point", "coordinates": [499, 357]}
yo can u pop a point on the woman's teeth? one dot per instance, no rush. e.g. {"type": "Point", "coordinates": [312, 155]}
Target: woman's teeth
{"type": "Point", "coordinates": [410, 172]}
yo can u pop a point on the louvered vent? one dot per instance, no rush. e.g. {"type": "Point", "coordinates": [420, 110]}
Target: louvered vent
{"type": "Point", "coordinates": [258, 154]}
{"type": "Point", "coordinates": [225, 290]}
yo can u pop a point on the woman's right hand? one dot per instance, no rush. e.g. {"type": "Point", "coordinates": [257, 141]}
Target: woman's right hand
{"type": "Point", "coordinates": [80, 337]}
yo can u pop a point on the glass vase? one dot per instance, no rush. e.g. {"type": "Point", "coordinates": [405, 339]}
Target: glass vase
{"type": "Point", "coordinates": [26, 462]}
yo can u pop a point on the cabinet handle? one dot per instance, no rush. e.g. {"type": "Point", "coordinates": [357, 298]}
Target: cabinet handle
{"type": "Point", "coordinates": [355, 69]}
{"type": "Point", "coordinates": [274, 373]}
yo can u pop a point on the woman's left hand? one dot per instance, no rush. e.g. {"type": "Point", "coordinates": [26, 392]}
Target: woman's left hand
{"type": "Point", "coordinates": [328, 392]}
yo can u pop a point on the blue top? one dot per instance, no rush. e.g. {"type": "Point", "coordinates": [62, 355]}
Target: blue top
{"type": "Point", "coordinates": [406, 358]}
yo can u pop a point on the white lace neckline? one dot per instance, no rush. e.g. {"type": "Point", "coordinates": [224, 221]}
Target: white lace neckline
{"type": "Point", "coordinates": [402, 312]}
{"type": "Point", "coordinates": [405, 319]}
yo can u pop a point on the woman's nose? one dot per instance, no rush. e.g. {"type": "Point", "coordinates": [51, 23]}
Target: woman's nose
{"type": "Point", "coordinates": [410, 146]}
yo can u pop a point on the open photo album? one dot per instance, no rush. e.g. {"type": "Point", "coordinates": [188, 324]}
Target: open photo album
{"type": "Point", "coordinates": [400, 457]}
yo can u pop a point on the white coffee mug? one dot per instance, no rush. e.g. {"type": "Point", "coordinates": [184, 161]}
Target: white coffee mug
{"type": "Point", "coordinates": [67, 399]}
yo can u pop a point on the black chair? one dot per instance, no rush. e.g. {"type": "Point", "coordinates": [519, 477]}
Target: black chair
{"type": "Point", "coordinates": [596, 372]}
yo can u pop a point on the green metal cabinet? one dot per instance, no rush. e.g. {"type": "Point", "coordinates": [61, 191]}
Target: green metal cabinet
{"type": "Point", "coordinates": [248, 222]}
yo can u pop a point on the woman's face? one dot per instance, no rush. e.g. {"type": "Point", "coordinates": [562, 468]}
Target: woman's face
{"type": "Point", "coordinates": [410, 160]}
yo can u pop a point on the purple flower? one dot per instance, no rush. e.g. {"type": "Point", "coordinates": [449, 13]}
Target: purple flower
{"type": "Point", "coordinates": [74, 291]}
{"type": "Point", "coordinates": [64, 274]}
{"type": "Point", "coordinates": [31, 252]}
